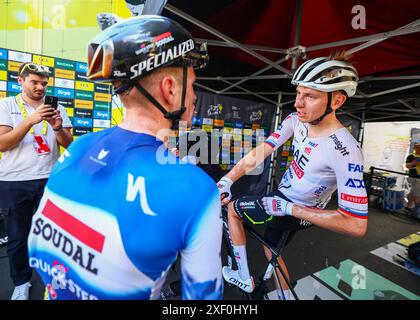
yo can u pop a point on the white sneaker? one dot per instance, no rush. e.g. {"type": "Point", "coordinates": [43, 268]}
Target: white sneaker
{"type": "Point", "coordinates": [232, 276]}
{"type": "Point", "coordinates": [21, 292]}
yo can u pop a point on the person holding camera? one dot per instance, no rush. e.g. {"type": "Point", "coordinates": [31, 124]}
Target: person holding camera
{"type": "Point", "coordinates": [31, 131]}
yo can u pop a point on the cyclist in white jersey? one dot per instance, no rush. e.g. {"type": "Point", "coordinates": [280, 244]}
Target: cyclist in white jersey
{"type": "Point", "coordinates": [326, 158]}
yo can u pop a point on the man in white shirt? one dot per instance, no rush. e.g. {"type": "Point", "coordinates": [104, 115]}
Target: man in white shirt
{"type": "Point", "coordinates": [31, 133]}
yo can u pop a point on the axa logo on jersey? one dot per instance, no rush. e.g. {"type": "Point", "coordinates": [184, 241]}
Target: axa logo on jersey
{"type": "Point", "coordinates": [355, 183]}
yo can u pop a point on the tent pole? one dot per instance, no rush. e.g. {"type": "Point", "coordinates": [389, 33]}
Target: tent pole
{"type": "Point", "coordinates": [273, 158]}
{"type": "Point", "coordinates": [297, 31]}
{"type": "Point", "coordinates": [362, 129]}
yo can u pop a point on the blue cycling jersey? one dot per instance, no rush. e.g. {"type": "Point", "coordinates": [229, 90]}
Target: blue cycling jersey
{"type": "Point", "coordinates": [115, 216]}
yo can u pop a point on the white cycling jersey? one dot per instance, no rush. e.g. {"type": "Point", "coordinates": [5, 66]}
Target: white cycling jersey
{"type": "Point", "coordinates": [321, 166]}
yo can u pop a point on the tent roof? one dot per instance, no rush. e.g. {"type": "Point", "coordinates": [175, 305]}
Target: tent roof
{"type": "Point", "coordinates": [247, 37]}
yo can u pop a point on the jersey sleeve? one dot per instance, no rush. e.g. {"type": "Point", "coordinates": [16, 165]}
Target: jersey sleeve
{"type": "Point", "coordinates": [200, 260]}
{"type": "Point", "coordinates": [347, 163]}
{"type": "Point", "coordinates": [283, 132]}
{"type": "Point", "coordinates": [5, 118]}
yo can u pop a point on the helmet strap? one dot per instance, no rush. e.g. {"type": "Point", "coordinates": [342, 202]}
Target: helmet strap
{"type": "Point", "coordinates": [328, 110]}
{"type": "Point", "coordinates": [175, 115]}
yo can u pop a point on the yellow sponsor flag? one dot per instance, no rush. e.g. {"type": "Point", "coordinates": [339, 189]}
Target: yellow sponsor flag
{"type": "Point", "coordinates": [45, 61]}
{"type": "Point", "coordinates": [70, 112]}
{"type": "Point", "coordinates": [13, 66]}
{"type": "Point", "coordinates": [3, 94]}
{"type": "Point", "coordinates": [3, 75]}
{"type": "Point", "coordinates": [66, 74]}
{"type": "Point", "coordinates": [51, 82]}
{"type": "Point", "coordinates": [104, 97]}
{"type": "Point", "coordinates": [84, 104]}
{"type": "Point", "coordinates": [82, 85]}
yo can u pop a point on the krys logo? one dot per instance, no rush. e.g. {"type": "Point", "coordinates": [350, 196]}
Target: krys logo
{"type": "Point", "coordinates": [214, 110]}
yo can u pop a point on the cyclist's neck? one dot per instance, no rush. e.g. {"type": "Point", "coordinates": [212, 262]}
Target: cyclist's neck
{"type": "Point", "coordinates": [326, 127]}
{"type": "Point", "coordinates": [143, 120]}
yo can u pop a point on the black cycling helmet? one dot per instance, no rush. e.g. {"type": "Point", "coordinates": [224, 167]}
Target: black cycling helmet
{"type": "Point", "coordinates": [134, 48]}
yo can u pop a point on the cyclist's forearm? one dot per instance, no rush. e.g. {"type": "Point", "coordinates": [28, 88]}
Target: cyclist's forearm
{"type": "Point", "coordinates": [249, 162]}
{"type": "Point", "coordinates": [10, 139]}
{"type": "Point", "coordinates": [332, 220]}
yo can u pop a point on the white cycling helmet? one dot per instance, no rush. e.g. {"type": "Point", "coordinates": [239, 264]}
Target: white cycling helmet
{"type": "Point", "coordinates": [327, 75]}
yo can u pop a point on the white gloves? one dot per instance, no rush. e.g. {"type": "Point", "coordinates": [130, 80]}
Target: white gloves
{"type": "Point", "coordinates": [276, 206]}
{"type": "Point", "coordinates": [224, 187]}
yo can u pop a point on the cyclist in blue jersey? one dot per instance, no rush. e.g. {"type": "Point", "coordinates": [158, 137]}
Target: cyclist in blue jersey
{"type": "Point", "coordinates": [326, 158]}
{"type": "Point", "coordinates": [119, 208]}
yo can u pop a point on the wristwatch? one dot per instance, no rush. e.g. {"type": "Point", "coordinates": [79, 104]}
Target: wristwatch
{"type": "Point", "coordinates": [59, 128]}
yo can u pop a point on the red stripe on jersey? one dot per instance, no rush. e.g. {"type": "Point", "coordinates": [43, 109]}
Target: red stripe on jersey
{"type": "Point", "coordinates": [270, 144]}
{"type": "Point", "coordinates": [352, 214]}
{"type": "Point", "coordinates": [75, 227]}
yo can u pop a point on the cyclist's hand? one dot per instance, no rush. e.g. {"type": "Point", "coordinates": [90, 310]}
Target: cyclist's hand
{"type": "Point", "coordinates": [276, 206]}
{"type": "Point", "coordinates": [224, 185]}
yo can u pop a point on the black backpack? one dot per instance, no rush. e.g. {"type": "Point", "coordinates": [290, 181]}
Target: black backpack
{"type": "Point", "coordinates": [413, 252]}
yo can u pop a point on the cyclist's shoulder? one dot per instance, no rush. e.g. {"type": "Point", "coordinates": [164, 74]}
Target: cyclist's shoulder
{"type": "Point", "coordinates": [193, 177]}
{"type": "Point", "coordinates": [342, 141]}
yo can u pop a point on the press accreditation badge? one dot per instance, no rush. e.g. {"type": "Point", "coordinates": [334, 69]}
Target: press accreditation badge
{"type": "Point", "coordinates": [40, 145]}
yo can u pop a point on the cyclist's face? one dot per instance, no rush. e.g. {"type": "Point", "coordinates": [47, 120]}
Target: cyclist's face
{"type": "Point", "coordinates": [34, 86]}
{"type": "Point", "coordinates": [190, 98]}
{"type": "Point", "coordinates": [310, 104]}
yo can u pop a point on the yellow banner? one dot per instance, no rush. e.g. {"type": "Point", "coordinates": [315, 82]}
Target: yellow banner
{"type": "Point", "coordinates": [82, 85]}
{"type": "Point", "coordinates": [66, 74]}
{"type": "Point", "coordinates": [102, 97]}
{"type": "Point", "coordinates": [207, 128]}
{"type": "Point", "coordinates": [51, 82]}
{"type": "Point", "coordinates": [3, 75]}
{"type": "Point", "coordinates": [45, 61]}
{"type": "Point", "coordinates": [219, 123]}
{"type": "Point", "coordinates": [98, 129]}
{"type": "Point", "coordinates": [70, 112]}
{"type": "Point", "coordinates": [2, 94]}
{"type": "Point", "coordinates": [13, 66]}
{"type": "Point", "coordinates": [84, 104]}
